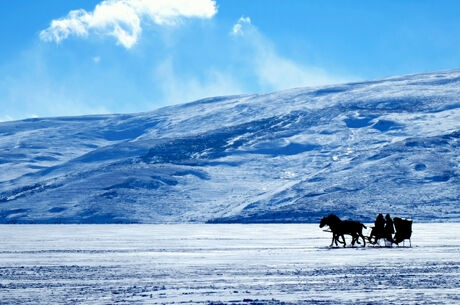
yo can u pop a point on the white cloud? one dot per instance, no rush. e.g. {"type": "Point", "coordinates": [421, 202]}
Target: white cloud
{"type": "Point", "coordinates": [122, 18]}
{"type": "Point", "coordinates": [273, 71]}
{"type": "Point", "coordinates": [238, 27]}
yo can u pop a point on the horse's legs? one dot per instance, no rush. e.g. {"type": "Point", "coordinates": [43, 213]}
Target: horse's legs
{"type": "Point", "coordinates": [354, 239]}
{"type": "Point", "coordinates": [364, 241]}
{"type": "Point", "coordinates": [332, 241]}
{"type": "Point", "coordinates": [337, 239]}
{"type": "Point", "coordinates": [343, 240]}
{"type": "Point", "coordinates": [357, 239]}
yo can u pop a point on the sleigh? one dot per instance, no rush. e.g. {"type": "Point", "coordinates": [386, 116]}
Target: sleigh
{"type": "Point", "coordinates": [403, 230]}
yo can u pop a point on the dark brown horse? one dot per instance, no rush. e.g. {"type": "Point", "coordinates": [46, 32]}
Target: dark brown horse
{"type": "Point", "coordinates": [341, 227]}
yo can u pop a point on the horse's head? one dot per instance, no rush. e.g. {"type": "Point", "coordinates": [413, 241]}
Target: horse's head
{"type": "Point", "coordinates": [323, 222]}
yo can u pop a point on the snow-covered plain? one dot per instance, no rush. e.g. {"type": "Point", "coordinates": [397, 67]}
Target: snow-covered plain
{"type": "Point", "coordinates": [222, 264]}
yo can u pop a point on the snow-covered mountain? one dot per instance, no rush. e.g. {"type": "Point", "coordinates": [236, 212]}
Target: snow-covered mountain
{"type": "Point", "coordinates": [354, 149]}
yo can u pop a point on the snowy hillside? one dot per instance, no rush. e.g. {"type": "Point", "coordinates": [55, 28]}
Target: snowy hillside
{"type": "Point", "coordinates": [354, 149]}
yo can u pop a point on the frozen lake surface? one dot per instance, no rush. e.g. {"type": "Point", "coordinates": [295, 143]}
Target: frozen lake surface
{"type": "Point", "coordinates": [222, 264]}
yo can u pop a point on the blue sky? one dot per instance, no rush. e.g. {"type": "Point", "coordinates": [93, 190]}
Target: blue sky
{"type": "Point", "coordinates": [133, 56]}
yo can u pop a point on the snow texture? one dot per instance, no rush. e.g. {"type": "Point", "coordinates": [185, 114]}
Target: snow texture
{"type": "Point", "coordinates": [357, 149]}
{"type": "Point", "coordinates": [222, 264]}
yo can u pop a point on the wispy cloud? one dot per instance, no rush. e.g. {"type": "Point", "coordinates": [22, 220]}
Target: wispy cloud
{"type": "Point", "coordinates": [30, 89]}
{"type": "Point", "coordinates": [177, 88]}
{"type": "Point", "coordinates": [271, 71]}
{"type": "Point", "coordinates": [43, 100]}
{"type": "Point", "coordinates": [274, 71]}
{"type": "Point", "coordinates": [122, 19]}
{"type": "Point", "coordinates": [237, 28]}
{"type": "Point", "coordinates": [6, 118]}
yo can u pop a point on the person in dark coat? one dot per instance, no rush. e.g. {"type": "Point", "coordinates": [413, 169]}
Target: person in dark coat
{"type": "Point", "coordinates": [378, 229]}
{"type": "Point", "coordinates": [379, 225]}
{"type": "Point", "coordinates": [389, 228]}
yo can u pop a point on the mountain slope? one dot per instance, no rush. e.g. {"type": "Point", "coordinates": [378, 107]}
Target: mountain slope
{"type": "Point", "coordinates": [355, 149]}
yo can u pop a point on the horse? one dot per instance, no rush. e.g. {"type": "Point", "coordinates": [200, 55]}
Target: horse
{"type": "Point", "coordinates": [341, 227]}
{"type": "Point", "coordinates": [335, 235]}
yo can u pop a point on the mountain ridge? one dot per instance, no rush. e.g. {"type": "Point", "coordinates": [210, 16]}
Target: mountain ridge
{"type": "Point", "coordinates": [389, 145]}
